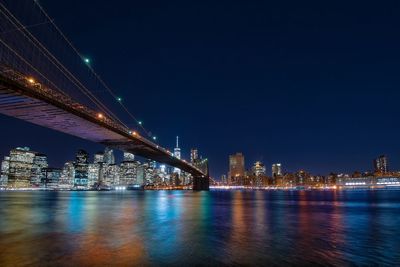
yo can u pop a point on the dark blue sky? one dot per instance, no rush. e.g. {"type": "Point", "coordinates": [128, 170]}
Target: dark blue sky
{"type": "Point", "coordinates": [313, 86]}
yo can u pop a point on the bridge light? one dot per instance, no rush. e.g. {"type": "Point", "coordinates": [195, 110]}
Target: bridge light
{"type": "Point", "coordinates": [140, 122]}
{"type": "Point", "coordinates": [154, 137]}
{"type": "Point", "coordinates": [100, 116]}
{"type": "Point", "coordinates": [119, 99]}
{"type": "Point", "coordinates": [134, 133]}
{"type": "Point", "coordinates": [31, 80]}
{"type": "Point", "coordinates": [87, 61]}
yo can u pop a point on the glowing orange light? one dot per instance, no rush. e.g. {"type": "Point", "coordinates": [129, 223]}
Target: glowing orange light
{"type": "Point", "coordinates": [134, 133]}
{"type": "Point", "coordinates": [100, 116]}
{"type": "Point", "coordinates": [31, 80]}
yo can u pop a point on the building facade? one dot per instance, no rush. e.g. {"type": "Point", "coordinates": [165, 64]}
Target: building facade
{"type": "Point", "coordinates": [236, 169]}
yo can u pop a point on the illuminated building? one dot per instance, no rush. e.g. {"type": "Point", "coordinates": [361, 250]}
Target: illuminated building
{"type": "Point", "coordinates": [194, 155]}
{"type": "Point", "coordinates": [111, 175]}
{"type": "Point", "coordinates": [301, 178]}
{"type": "Point", "coordinates": [258, 171]}
{"type": "Point", "coordinates": [128, 170]}
{"type": "Point", "coordinates": [236, 169]}
{"type": "Point", "coordinates": [140, 175]}
{"type": "Point", "coordinates": [39, 163]}
{"type": "Point", "coordinates": [20, 167]}
{"type": "Point", "coordinates": [162, 168]}
{"type": "Point", "coordinates": [95, 171]}
{"type": "Point", "coordinates": [81, 167]}
{"type": "Point", "coordinates": [67, 176]}
{"type": "Point", "coordinates": [51, 177]}
{"type": "Point", "coordinates": [177, 154]}
{"type": "Point", "coordinates": [129, 156]}
{"type": "Point", "coordinates": [381, 164]}
{"type": "Point", "coordinates": [109, 157]}
{"type": "Point", "coordinates": [99, 157]}
{"type": "Point", "coordinates": [276, 170]}
{"type": "Point", "coordinates": [5, 165]}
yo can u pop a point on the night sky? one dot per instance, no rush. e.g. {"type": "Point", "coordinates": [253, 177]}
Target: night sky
{"type": "Point", "coordinates": [313, 86]}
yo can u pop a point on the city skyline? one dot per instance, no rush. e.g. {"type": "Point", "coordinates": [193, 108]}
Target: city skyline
{"type": "Point", "coordinates": [294, 96]}
{"type": "Point", "coordinates": [199, 133]}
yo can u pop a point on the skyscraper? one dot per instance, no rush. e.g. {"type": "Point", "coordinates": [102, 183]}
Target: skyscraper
{"type": "Point", "coordinates": [51, 178]}
{"type": "Point", "coordinates": [81, 167]}
{"type": "Point", "coordinates": [5, 166]}
{"type": "Point", "coordinates": [129, 156]}
{"type": "Point", "coordinates": [128, 170]}
{"type": "Point", "coordinates": [38, 166]}
{"type": "Point", "coordinates": [67, 176]}
{"type": "Point", "coordinates": [194, 155]}
{"type": "Point", "coordinates": [99, 157]}
{"type": "Point", "coordinates": [276, 169]}
{"type": "Point", "coordinates": [109, 156]}
{"type": "Point", "coordinates": [20, 167]}
{"type": "Point", "coordinates": [177, 154]}
{"type": "Point", "coordinates": [258, 168]}
{"type": "Point", "coordinates": [236, 168]}
{"type": "Point", "coordinates": [381, 164]}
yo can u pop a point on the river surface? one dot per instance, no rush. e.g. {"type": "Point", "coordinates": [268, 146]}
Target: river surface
{"type": "Point", "coordinates": [184, 228]}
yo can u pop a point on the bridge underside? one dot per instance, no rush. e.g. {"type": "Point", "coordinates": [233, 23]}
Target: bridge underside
{"type": "Point", "coordinates": [17, 102]}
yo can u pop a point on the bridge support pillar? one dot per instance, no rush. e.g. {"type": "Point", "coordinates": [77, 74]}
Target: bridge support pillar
{"type": "Point", "coordinates": [201, 183]}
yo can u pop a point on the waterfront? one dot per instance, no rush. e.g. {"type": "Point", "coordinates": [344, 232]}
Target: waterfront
{"type": "Point", "coordinates": [217, 227]}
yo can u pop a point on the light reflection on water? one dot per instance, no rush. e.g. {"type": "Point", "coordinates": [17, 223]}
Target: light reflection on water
{"type": "Point", "coordinates": [203, 228]}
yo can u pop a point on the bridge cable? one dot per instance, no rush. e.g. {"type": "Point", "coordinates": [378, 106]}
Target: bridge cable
{"type": "Point", "coordinates": [64, 70]}
{"type": "Point", "coordinates": [90, 68]}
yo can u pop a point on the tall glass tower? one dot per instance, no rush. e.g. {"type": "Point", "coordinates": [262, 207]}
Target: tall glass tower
{"type": "Point", "coordinates": [177, 154]}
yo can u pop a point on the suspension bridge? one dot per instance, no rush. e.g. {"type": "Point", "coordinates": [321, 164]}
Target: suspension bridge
{"type": "Point", "coordinates": [45, 80]}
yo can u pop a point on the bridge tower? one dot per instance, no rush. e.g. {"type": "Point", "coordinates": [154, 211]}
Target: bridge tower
{"type": "Point", "coordinates": [201, 183]}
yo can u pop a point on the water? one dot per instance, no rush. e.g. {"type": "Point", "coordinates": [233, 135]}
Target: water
{"type": "Point", "coordinates": [200, 228]}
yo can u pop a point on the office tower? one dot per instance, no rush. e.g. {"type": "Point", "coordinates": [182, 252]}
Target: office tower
{"type": "Point", "coordinates": [381, 164]}
{"type": "Point", "coordinates": [129, 156]}
{"type": "Point", "coordinates": [81, 167]}
{"type": "Point", "coordinates": [258, 173]}
{"type": "Point", "coordinates": [20, 167]}
{"type": "Point", "coordinates": [194, 155]}
{"type": "Point", "coordinates": [140, 175]}
{"type": "Point", "coordinates": [128, 171]}
{"type": "Point", "coordinates": [301, 177]}
{"type": "Point", "coordinates": [99, 157]}
{"type": "Point", "coordinates": [177, 154]}
{"type": "Point", "coordinates": [111, 175]}
{"type": "Point", "coordinates": [109, 156]}
{"type": "Point", "coordinates": [94, 174]}
{"type": "Point", "coordinates": [51, 177]}
{"type": "Point", "coordinates": [39, 163]}
{"type": "Point", "coordinates": [5, 166]}
{"type": "Point", "coordinates": [258, 169]}
{"type": "Point", "coordinates": [276, 169]}
{"type": "Point", "coordinates": [236, 169]}
{"type": "Point", "coordinates": [67, 176]}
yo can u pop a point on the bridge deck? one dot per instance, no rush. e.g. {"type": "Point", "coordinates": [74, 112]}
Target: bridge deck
{"type": "Point", "coordinates": [27, 103]}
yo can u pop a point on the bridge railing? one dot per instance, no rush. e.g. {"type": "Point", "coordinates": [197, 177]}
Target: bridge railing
{"type": "Point", "coordinates": [29, 82]}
